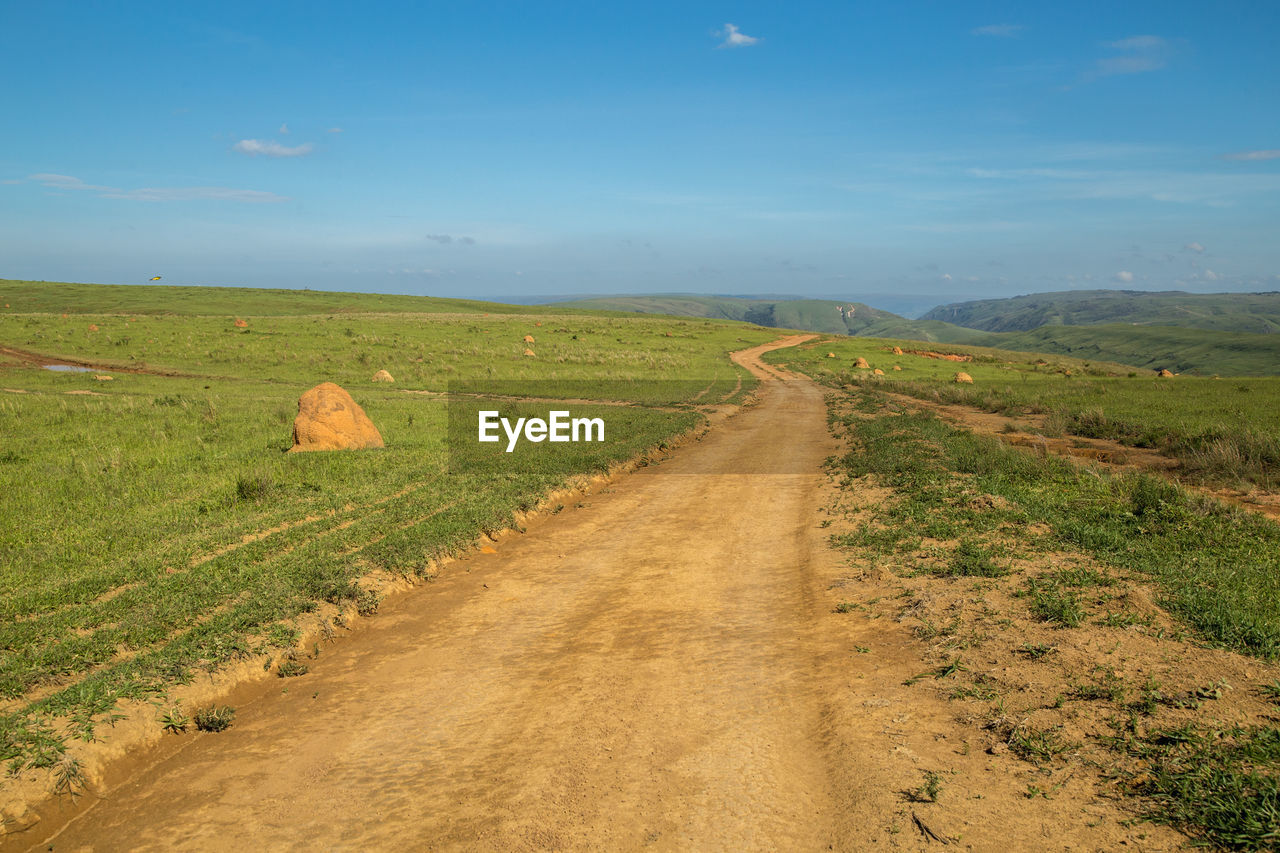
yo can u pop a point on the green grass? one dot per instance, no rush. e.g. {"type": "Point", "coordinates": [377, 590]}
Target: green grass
{"type": "Point", "coordinates": [1258, 313]}
{"type": "Point", "coordinates": [158, 530]}
{"type": "Point", "coordinates": [1219, 568]}
{"type": "Point", "coordinates": [1219, 786]}
{"type": "Point", "coordinates": [1222, 430]}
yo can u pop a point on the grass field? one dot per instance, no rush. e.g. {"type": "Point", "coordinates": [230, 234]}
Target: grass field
{"type": "Point", "coordinates": [1223, 430]}
{"type": "Point", "coordinates": [153, 527]}
{"type": "Point", "coordinates": [1004, 541]}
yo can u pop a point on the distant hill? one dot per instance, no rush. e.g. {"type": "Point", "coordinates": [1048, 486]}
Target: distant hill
{"type": "Point", "coordinates": [1180, 349]}
{"type": "Point", "coordinates": [829, 316]}
{"type": "Point", "coordinates": [1254, 313]}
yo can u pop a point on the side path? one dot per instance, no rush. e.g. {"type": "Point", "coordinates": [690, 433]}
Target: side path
{"type": "Point", "coordinates": [645, 671]}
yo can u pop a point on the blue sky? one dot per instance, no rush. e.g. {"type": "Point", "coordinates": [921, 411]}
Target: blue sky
{"type": "Point", "coordinates": [927, 151]}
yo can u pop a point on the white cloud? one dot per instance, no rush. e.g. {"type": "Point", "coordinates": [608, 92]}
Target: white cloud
{"type": "Point", "coordinates": [1210, 275]}
{"type": "Point", "coordinates": [1271, 154]}
{"type": "Point", "coordinates": [284, 128]}
{"type": "Point", "coordinates": [1194, 247]}
{"type": "Point", "coordinates": [946, 276]}
{"type": "Point", "coordinates": [67, 182]}
{"type": "Point", "coordinates": [1145, 53]}
{"type": "Point", "coordinates": [254, 147]}
{"type": "Point", "coordinates": [733, 37]}
{"type": "Point", "coordinates": [334, 130]}
{"type": "Point", "coordinates": [1007, 31]}
{"type": "Point", "coordinates": [196, 194]}
{"type": "Point", "coordinates": [1138, 43]}
{"type": "Point", "coordinates": [64, 182]}
{"type": "Point", "coordinates": [1124, 277]}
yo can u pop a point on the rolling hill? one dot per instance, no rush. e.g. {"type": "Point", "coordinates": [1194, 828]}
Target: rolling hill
{"type": "Point", "coordinates": [1181, 348]}
{"type": "Point", "coordinates": [1254, 313]}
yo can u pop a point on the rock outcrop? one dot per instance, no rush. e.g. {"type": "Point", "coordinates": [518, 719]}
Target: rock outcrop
{"type": "Point", "coordinates": [964, 377]}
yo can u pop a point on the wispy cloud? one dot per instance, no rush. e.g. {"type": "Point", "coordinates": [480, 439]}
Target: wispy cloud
{"type": "Point", "coordinates": [284, 128]}
{"type": "Point", "coordinates": [1212, 188]}
{"type": "Point", "coordinates": [733, 37]}
{"type": "Point", "coordinates": [254, 147]}
{"type": "Point", "coordinates": [1124, 277]}
{"type": "Point", "coordinates": [1138, 54]}
{"type": "Point", "coordinates": [1006, 31]}
{"type": "Point", "coordinates": [1270, 154]}
{"type": "Point", "coordinates": [1194, 247]}
{"type": "Point", "coordinates": [334, 130]}
{"type": "Point", "coordinates": [196, 194]}
{"type": "Point", "coordinates": [448, 239]}
{"type": "Point", "coordinates": [67, 182]}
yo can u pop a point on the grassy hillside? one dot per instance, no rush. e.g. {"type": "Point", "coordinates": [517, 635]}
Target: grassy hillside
{"type": "Point", "coordinates": [25, 297]}
{"type": "Point", "coordinates": [1182, 350]}
{"type": "Point", "coordinates": [1254, 313]}
{"type": "Point", "coordinates": [154, 529]}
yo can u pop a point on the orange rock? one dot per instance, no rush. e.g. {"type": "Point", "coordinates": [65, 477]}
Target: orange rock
{"type": "Point", "coordinates": [831, 355]}
{"type": "Point", "coordinates": [242, 324]}
{"type": "Point", "coordinates": [537, 324]}
{"type": "Point", "coordinates": [93, 327]}
{"type": "Point", "coordinates": [1165, 373]}
{"type": "Point", "coordinates": [964, 377]}
{"type": "Point", "coordinates": [897, 367]}
{"type": "Point", "coordinates": [861, 362]}
{"type": "Point", "coordinates": [897, 350]}
{"type": "Point", "coordinates": [328, 419]}
{"type": "Point", "coordinates": [530, 353]}
{"type": "Point", "coordinates": [878, 372]}
{"type": "Point", "coordinates": [528, 339]}
{"type": "Point", "coordinates": [102, 378]}
{"type": "Point", "coordinates": [383, 376]}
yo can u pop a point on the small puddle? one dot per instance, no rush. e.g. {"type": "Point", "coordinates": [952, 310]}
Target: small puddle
{"type": "Point", "coordinates": [68, 368]}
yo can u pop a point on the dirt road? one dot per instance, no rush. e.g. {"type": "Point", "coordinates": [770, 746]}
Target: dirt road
{"type": "Point", "coordinates": [640, 671]}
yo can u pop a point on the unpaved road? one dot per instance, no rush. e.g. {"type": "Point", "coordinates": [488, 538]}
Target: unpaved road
{"type": "Point", "coordinates": [644, 671]}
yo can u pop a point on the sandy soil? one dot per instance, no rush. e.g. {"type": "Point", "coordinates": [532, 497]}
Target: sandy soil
{"type": "Point", "coordinates": [659, 667]}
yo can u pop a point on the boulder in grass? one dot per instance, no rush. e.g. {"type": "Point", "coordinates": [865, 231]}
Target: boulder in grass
{"type": "Point", "coordinates": [964, 377]}
{"type": "Point", "coordinates": [897, 367]}
{"type": "Point", "coordinates": [897, 350]}
{"type": "Point", "coordinates": [93, 327]}
{"type": "Point", "coordinates": [528, 339]}
{"type": "Point", "coordinates": [242, 324]}
{"type": "Point", "coordinates": [1164, 372]}
{"type": "Point", "coordinates": [383, 376]}
{"type": "Point", "coordinates": [878, 372]}
{"type": "Point", "coordinates": [861, 362]}
{"type": "Point", "coordinates": [831, 355]}
{"type": "Point", "coordinates": [530, 353]}
{"type": "Point", "coordinates": [328, 419]}
{"type": "Point", "coordinates": [103, 378]}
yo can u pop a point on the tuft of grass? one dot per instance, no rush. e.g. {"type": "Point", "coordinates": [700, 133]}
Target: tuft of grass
{"type": "Point", "coordinates": [1039, 746]}
{"type": "Point", "coordinates": [175, 720]}
{"type": "Point", "coordinates": [215, 718]}
{"type": "Point", "coordinates": [68, 776]}
{"type": "Point", "coordinates": [972, 559]}
{"type": "Point", "coordinates": [1053, 604]}
{"type": "Point", "coordinates": [928, 790]}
